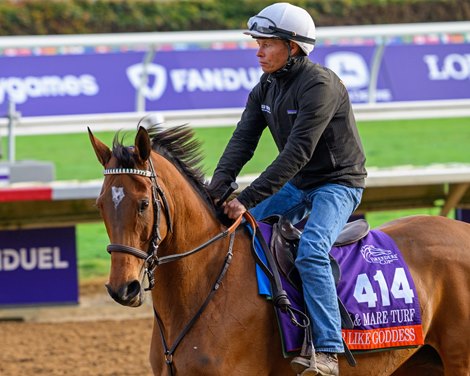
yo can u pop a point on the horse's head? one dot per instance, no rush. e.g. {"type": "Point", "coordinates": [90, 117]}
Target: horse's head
{"type": "Point", "coordinates": [136, 214]}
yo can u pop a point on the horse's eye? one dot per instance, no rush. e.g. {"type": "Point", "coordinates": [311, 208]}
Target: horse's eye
{"type": "Point", "coordinates": [144, 204]}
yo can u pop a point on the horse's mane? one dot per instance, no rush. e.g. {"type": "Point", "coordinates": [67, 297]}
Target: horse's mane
{"type": "Point", "coordinates": [178, 145]}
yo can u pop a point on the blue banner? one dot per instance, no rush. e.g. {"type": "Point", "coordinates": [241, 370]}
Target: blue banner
{"type": "Point", "coordinates": [38, 266]}
{"type": "Point", "coordinates": [209, 79]}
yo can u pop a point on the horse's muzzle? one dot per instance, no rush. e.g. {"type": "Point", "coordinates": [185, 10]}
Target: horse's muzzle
{"type": "Point", "coordinates": [129, 295]}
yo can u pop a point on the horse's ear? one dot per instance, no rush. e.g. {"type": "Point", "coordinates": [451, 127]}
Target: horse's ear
{"type": "Point", "coordinates": [102, 152]}
{"type": "Point", "coordinates": [142, 145]}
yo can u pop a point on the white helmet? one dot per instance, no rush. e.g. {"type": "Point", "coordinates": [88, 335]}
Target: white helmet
{"type": "Point", "coordinates": [285, 21]}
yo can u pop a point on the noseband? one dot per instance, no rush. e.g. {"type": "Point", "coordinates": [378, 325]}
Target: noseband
{"type": "Point", "coordinates": [159, 200]}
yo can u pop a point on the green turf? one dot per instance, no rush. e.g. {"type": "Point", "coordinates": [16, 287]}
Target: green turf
{"type": "Point", "coordinates": [387, 143]}
{"type": "Point", "coordinates": [416, 142]}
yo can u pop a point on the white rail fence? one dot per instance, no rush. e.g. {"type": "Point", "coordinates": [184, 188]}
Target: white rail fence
{"type": "Point", "coordinates": [215, 117]}
{"type": "Point", "coordinates": [442, 187]}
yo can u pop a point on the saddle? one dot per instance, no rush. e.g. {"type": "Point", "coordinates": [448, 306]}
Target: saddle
{"type": "Point", "coordinates": [285, 240]}
{"type": "Point", "coordinates": [281, 254]}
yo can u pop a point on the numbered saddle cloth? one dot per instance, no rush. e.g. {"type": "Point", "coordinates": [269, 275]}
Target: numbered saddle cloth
{"type": "Point", "coordinates": [377, 290]}
{"type": "Point", "coordinates": [379, 293]}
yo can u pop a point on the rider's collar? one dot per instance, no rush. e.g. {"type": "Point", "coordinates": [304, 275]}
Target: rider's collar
{"type": "Point", "coordinates": [287, 68]}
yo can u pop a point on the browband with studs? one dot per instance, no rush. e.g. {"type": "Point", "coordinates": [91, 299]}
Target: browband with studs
{"type": "Point", "coordinates": [132, 171]}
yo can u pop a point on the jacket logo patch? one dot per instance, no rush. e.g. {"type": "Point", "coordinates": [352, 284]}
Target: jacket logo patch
{"type": "Point", "coordinates": [291, 112]}
{"type": "Point", "coordinates": [265, 108]}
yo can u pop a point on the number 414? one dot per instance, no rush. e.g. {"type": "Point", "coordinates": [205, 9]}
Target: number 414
{"type": "Point", "coordinates": [400, 289]}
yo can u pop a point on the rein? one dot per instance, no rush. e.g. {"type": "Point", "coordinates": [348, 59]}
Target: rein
{"type": "Point", "coordinates": [169, 351]}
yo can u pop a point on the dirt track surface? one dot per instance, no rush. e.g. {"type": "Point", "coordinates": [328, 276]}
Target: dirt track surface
{"type": "Point", "coordinates": [97, 337]}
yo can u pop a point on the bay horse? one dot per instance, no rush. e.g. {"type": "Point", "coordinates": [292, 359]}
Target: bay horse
{"type": "Point", "coordinates": [209, 318]}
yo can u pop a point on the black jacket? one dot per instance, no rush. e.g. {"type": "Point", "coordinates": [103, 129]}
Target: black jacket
{"type": "Point", "coordinates": [309, 114]}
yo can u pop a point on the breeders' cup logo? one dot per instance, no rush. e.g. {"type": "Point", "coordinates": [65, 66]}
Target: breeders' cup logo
{"type": "Point", "coordinates": [374, 255]}
{"type": "Point", "coordinates": [353, 70]}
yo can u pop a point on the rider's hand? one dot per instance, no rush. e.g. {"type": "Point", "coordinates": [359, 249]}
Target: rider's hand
{"type": "Point", "coordinates": [234, 209]}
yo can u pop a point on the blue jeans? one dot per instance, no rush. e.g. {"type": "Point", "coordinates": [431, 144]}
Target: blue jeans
{"type": "Point", "coordinates": [331, 206]}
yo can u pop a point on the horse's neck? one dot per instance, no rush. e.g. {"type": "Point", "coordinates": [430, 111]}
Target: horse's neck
{"type": "Point", "coordinates": [184, 286]}
{"type": "Point", "coordinates": [193, 220]}
{"type": "Point", "coordinates": [184, 283]}
{"type": "Point", "coordinates": [188, 285]}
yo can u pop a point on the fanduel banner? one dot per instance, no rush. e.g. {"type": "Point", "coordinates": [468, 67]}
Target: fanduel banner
{"type": "Point", "coordinates": [202, 79]}
{"type": "Point", "coordinates": [38, 266]}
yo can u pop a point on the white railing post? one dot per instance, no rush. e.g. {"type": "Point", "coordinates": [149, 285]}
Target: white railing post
{"type": "Point", "coordinates": [375, 69]}
{"type": "Point", "coordinates": [140, 96]}
{"type": "Point", "coordinates": [13, 117]}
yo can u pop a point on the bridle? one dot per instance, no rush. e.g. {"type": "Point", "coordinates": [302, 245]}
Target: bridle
{"type": "Point", "coordinates": [152, 260]}
{"type": "Point", "coordinates": [159, 201]}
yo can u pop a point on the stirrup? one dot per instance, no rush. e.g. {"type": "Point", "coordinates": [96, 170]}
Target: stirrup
{"type": "Point", "coordinates": [299, 364]}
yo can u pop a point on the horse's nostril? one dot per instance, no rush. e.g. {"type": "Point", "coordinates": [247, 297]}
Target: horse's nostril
{"type": "Point", "coordinates": [126, 294]}
{"type": "Point", "coordinates": [133, 289]}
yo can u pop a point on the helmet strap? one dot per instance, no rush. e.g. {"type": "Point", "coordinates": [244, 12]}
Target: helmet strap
{"type": "Point", "coordinates": [289, 52]}
{"type": "Point", "coordinates": [289, 63]}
